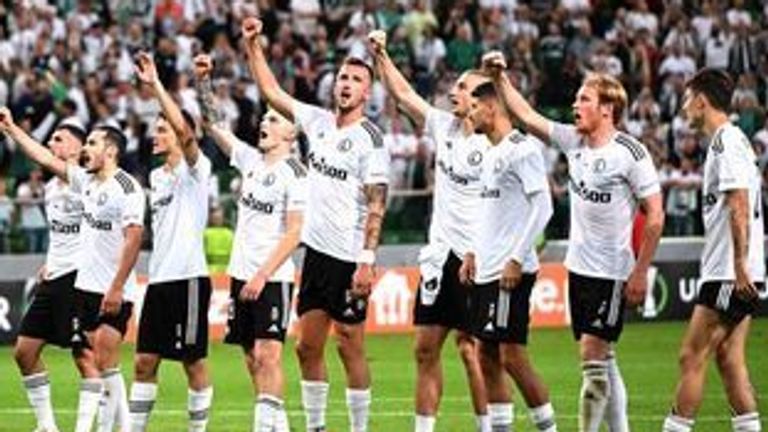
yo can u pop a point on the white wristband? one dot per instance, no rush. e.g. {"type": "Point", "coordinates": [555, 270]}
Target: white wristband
{"type": "Point", "coordinates": [366, 256]}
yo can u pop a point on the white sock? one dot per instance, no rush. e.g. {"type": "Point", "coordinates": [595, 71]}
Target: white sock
{"type": "Point", "coordinates": [265, 413]}
{"type": "Point", "coordinates": [359, 405]}
{"type": "Point", "coordinates": [198, 405]}
{"type": "Point", "coordinates": [543, 417]}
{"type": "Point", "coordinates": [90, 395]}
{"type": "Point", "coordinates": [502, 416]}
{"type": "Point", "coordinates": [39, 395]}
{"type": "Point", "coordinates": [314, 398]}
{"type": "Point", "coordinates": [123, 413]}
{"type": "Point", "coordinates": [143, 395]}
{"type": "Point", "coordinates": [616, 411]}
{"type": "Point", "coordinates": [282, 424]}
{"type": "Point", "coordinates": [595, 391]}
{"type": "Point", "coordinates": [483, 422]}
{"type": "Point", "coordinates": [114, 388]}
{"type": "Point", "coordinates": [675, 423]}
{"type": "Point", "coordinates": [424, 423]}
{"type": "Point", "coordinates": [749, 422]}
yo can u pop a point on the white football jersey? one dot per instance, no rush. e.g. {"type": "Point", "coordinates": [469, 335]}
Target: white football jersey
{"type": "Point", "coordinates": [109, 207]}
{"type": "Point", "coordinates": [179, 209]}
{"type": "Point", "coordinates": [458, 161]}
{"type": "Point", "coordinates": [267, 194]}
{"type": "Point", "coordinates": [64, 210]}
{"type": "Point", "coordinates": [730, 165]}
{"type": "Point", "coordinates": [606, 184]}
{"type": "Point", "coordinates": [512, 169]}
{"type": "Point", "coordinates": [342, 161]}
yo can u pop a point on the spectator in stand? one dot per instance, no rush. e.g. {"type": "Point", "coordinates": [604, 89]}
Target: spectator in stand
{"type": "Point", "coordinates": [6, 216]}
{"type": "Point", "coordinates": [681, 186]}
{"type": "Point", "coordinates": [29, 198]}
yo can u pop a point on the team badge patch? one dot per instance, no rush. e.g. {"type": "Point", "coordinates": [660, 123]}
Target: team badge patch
{"type": "Point", "coordinates": [102, 198]}
{"type": "Point", "coordinates": [475, 158]}
{"type": "Point", "coordinates": [269, 180]}
{"type": "Point", "coordinates": [599, 166]}
{"type": "Point", "coordinates": [345, 145]}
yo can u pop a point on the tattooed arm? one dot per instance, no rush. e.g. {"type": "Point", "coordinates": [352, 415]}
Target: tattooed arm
{"type": "Point", "coordinates": [213, 118]}
{"type": "Point", "coordinates": [362, 281]}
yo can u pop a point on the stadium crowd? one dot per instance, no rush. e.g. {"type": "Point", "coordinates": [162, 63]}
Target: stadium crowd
{"type": "Point", "coordinates": [74, 58]}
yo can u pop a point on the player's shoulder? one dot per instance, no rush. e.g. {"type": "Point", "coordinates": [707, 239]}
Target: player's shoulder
{"type": "Point", "coordinates": [372, 133]}
{"type": "Point", "coordinates": [294, 168]}
{"type": "Point", "coordinates": [126, 183]}
{"type": "Point", "coordinates": [630, 147]}
{"type": "Point", "coordinates": [730, 138]}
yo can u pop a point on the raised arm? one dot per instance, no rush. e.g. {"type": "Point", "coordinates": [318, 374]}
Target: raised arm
{"type": "Point", "coordinates": [33, 149]}
{"type": "Point", "coordinates": [399, 87]}
{"type": "Point", "coordinates": [146, 72]}
{"type": "Point", "coordinates": [495, 64]}
{"type": "Point", "coordinates": [270, 89]}
{"type": "Point", "coordinates": [213, 120]}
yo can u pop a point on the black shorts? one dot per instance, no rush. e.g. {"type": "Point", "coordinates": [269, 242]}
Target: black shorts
{"type": "Point", "coordinates": [174, 319]}
{"type": "Point", "coordinates": [597, 306]}
{"type": "Point", "coordinates": [325, 284]}
{"type": "Point", "coordinates": [451, 306]}
{"type": "Point", "coordinates": [88, 317]}
{"type": "Point", "coordinates": [266, 318]}
{"type": "Point", "coordinates": [498, 315]}
{"type": "Point", "coordinates": [49, 317]}
{"type": "Point", "coordinates": [720, 297]}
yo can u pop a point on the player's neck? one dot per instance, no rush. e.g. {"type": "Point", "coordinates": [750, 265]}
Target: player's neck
{"type": "Point", "coordinates": [346, 118]}
{"type": "Point", "coordinates": [501, 128]}
{"type": "Point", "coordinates": [172, 159]}
{"type": "Point", "coordinates": [601, 135]}
{"type": "Point", "coordinates": [276, 155]}
{"type": "Point", "coordinates": [467, 127]}
{"type": "Point", "coordinates": [107, 171]}
{"type": "Point", "coordinates": [713, 122]}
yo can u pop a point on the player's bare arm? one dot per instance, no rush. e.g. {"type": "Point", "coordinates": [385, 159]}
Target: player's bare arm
{"type": "Point", "coordinates": [146, 72]}
{"type": "Point", "coordinates": [283, 250]}
{"type": "Point", "coordinates": [399, 87]}
{"type": "Point", "coordinates": [376, 194]}
{"type": "Point", "coordinates": [276, 97]}
{"type": "Point", "coordinates": [637, 284]}
{"type": "Point", "coordinates": [113, 298]}
{"type": "Point", "coordinates": [494, 64]}
{"type": "Point", "coordinates": [213, 120]}
{"type": "Point", "coordinates": [33, 149]}
{"type": "Point", "coordinates": [738, 204]}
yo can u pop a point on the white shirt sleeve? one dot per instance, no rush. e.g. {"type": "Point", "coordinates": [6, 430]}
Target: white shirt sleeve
{"type": "Point", "coordinates": [733, 168]}
{"type": "Point", "coordinates": [532, 171]}
{"type": "Point", "coordinates": [436, 120]}
{"type": "Point", "coordinates": [308, 117]}
{"type": "Point", "coordinates": [133, 209]}
{"type": "Point", "coordinates": [564, 136]}
{"type": "Point", "coordinates": [296, 194]}
{"type": "Point", "coordinates": [643, 177]}
{"type": "Point", "coordinates": [376, 163]}
{"type": "Point", "coordinates": [77, 178]}
{"type": "Point", "coordinates": [243, 156]}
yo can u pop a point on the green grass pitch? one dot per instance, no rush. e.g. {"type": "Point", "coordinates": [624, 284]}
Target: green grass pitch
{"type": "Point", "coordinates": [647, 355]}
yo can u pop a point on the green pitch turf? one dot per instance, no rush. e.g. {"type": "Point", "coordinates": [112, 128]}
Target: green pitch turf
{"type": "Point", "coordinates": [647, 354]}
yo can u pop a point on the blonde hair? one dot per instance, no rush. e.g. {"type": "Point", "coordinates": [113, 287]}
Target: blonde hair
{"type": "Point", "coordinates": [609, 91]}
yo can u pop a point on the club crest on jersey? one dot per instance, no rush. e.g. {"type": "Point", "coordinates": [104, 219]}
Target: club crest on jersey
{"type": "Point", "coordinates": [345, 145]}
{"type": "Point", "coordinates": [102, 198]}
{"type": "Point", "coordinates": [475, 158]}
{"type": "Point", "coordinates": [269, 180]}
{"type": "Point", "coordinates": [599, 166]}
{"type": "Point", "coordinates": [449, 144]}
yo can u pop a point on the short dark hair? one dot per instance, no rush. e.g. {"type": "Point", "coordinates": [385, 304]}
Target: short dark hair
{"type": "Point", "coordinates": [716, 85]}
{"type": "Point", "coordinates": [115, 137]}
{"type": "Point", "coordinates": [76, 131]}
{"type": "Point", "coordinates": [485, 91]}
{"type": "Point", "coordinates": [356, 61]}
{"type": "Point", "coordinates": [188, 119]}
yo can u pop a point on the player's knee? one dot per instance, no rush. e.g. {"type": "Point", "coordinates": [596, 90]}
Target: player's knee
{"type": "Point", "coordinates": [690, 359]}
{"type": "Point", "coordinates": [515, 361]}
{"type": "Point", "coordinates": [25, 357]}
{"type": "Point", "coordinates": [348, 346]}
{"type": "Point", "coordinates": [307, 351]}
{"type": "Point", "coordinates": [266, 361]}
{"type": "Point", "coordinates": [426, 353]}
{"type": "Point", "coordinates": [145, 367]}
{"type": "Point", "coordinates": [467, 349]}
{"type": "Point", "coordinates": [725, 360]}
